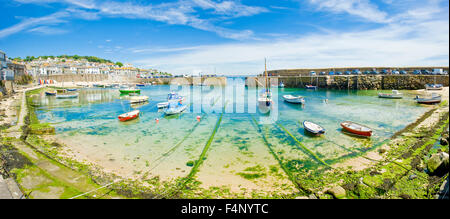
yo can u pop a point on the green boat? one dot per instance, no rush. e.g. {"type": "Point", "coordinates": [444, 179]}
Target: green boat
{"type": "Point", "coordinates": [128, 91]}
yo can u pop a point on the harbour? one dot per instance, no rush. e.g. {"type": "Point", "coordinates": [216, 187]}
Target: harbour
{"type": "Point", "coordinates": [221, 143]}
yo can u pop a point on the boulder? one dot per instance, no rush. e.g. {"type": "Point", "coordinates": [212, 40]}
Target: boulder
{"type": "Point", "coordinates": [337, 192]}
{"type": "Point", "coordinates": [438, 164]}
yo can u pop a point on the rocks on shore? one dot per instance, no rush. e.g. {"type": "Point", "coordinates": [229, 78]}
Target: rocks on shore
{"type": "Point", "coordinates": [337, 192]}
{"type": "Point", "coordinates": [438, 164]}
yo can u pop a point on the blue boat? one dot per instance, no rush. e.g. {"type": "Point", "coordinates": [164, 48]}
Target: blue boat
{"type": "Point", "coordinates": [175, 108]}
{"type": "Point", "coordinates": [313, 128]}
{"type": "Point", "coordinates": [71, 89]}
{"type": "Point", "coordinates": [434, 86]}
{"type": "Point", "coordinates": [50, 93]}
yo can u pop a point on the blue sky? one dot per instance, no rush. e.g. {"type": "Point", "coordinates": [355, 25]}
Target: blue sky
{"type": "Point", "coordinates": [231, 37]}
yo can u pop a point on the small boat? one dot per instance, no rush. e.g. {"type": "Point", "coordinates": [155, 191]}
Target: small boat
{"type": "Point", "coordinates": [395, 95]}
{"type": "Point", "coordinates": [138, 99]}
{"type": "Point", "coordinates": [313, 128]}
{"type": "Point", "coordinates": [61, 90]}
{"type": "Point", "coordinates": [281, 85]}
{"type": "Point", "coordinates": [435, 98]}
{"type": "Point", "coordinates": [294, 99]}
{"type": "Point", "coordinates": [140, 85]}
{"type": "Point", "coordinates": [175, 108]}
{"type": "Point", "coordinates": [66, 96]}
{"type": "Point", "coordinates": [356, 128]}
{"type": "Point", "coordinates": [99, 85]}
{"type": "Point", "coordinates": [50, 93]}
{"type": "Point", "coordinates": [434, 86]}
{"type": "Point", "coordinates": [129, 116]}
{"type": "Point", "coordinates": [311, 87]}
{"type": "Point", "coordinates": [71, 89]}
{"type": "Point", "coordinates": [133, 94]}
{"type": "Point", "coordinates": [129, 90]}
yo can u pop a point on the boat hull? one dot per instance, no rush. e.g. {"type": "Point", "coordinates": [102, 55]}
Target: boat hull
{"type": "Point", "coordinates": [129, 116]}
{"type": "Point", "coordinates": [296, 100]}
{"type": "Point", "coordinates": [50, 93]}
{"type": "Point", "coordinates": [66, 96]}
{"type": "Point", "coordinates": [177, 110]}
{"type": "Point", "coordinates": [313, 128]}
{"type": "Point", "coordinates": [389, 96]}
{"type": "Point", "coordinates": [129, 91]}
{"type": "Point", "coordinates": [346, 127]}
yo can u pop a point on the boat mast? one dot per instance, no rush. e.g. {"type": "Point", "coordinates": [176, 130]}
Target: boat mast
{"type": "Point", "coordinates": [265, 70]}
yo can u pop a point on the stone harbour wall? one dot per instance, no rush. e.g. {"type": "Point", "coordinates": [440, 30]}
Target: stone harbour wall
{"type": "Point", "coordinates": [354, 82]}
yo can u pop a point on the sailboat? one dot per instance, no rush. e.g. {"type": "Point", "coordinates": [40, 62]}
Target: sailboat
{"type": "Point", "coordinates": [265, 99]}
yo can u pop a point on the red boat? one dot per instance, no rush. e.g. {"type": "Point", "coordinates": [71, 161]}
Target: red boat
{"type": "Point", "coordinates": [129, 116]}
{"type": "Point", "coordinates": [357, 128]}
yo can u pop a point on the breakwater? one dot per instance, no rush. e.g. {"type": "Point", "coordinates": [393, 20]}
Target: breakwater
{"type": "Point", "coordinates": [354, 82]}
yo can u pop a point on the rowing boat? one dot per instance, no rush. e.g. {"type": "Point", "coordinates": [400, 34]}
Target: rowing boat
{"type": "Point", "coordinates": [434, 86]}
{"type": "Point", "coordinates": [294, 99]}
{"type": "Point", "coordinates": [138, 99]}
{"type": "Point", "coordinates": [311, 87]}
{"type": "Point", "coordinates": [129, 116]}
{"type": "Point", "coordinates": [66, 96]}
{"type": "Point", "coordinates": [130, 90]}
{"type": "Point", "coordinates": [356, 128]}
{"type": "Point", "coordinates": [50, 93]}
{"type": "Point", "coordinates": [435, 98]}
{"type": "Point", "coordinates": [313, 128]}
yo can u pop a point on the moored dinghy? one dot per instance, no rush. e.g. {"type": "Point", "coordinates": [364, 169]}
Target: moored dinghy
{"type": "Point", "coordinates": [313, 128]}
{"type": "Point", "coordinates": [138, 99]}
{"type": "Point", "coordinates": [129, 116]}
{"type": "Point", "coordinates": [311, 87]}
{"type": "Point", "coordinates": [293, 99]}
{"type": "Point", "coordinates": [356, 128]}
{"type": "Point", "coordinates": [66, 96]}
{"type": "Point", "coordinates": [435, 98]}
{"type": "Point", "coordinates": [395, 95]}
{"type": "Point", "coordinates": [50, 93]}
{"type": "Point", "coordinates": [434, 86]}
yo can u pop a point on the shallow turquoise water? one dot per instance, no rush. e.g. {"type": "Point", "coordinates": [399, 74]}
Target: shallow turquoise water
{"type": "Point", "coordinates": [90, 126]}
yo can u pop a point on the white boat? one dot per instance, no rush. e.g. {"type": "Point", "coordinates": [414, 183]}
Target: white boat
{"type": "Point", "coordinates": [175, 108]}
{"type": "Point", "coordinates": [171, 97]}
{"type": "Point", "coordinates": [313, 128]}
{"type": "Point", "coordinates": [281, 85]}
{"type": "Point", "coordinates": [395, 95]}
{"type": "Point", "coordinates": [138, 99]}
{"type": "Point", "coordinates": [294, 99]}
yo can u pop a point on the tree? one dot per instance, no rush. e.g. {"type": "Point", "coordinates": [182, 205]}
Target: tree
{"type": "Point", "coordinates": [120, 64]}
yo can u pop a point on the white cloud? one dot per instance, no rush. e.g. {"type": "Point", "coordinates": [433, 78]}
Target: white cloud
{"type": "Point", "coordinates": [182, 12]}
{"type": "Point", "coordinates": [30, 23]}
{"type": "Point", "coordinates": [361, 8]}
{"type": "Point", "coordinates": [404, 45]}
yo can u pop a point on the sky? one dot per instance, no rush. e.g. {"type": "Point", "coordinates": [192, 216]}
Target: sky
{"type": "Point", "coordinates": [231, 36]}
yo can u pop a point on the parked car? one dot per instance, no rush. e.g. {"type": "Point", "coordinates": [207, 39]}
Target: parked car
{"type": "Point", "coordinates": [395, 72]}
{"type": "Point", "coordinates": [339, 73]}
{"type": "Point", "coordinates": [416, 72]}
{"type": "Point", "coordinates": [374, 72]}
{"type": "Point", "coordinates": [384, 71]}
{"type": "Point", "coordinates": [331, 73]}
{"type": "Point", "coordinates": [425, 72]}
{"type": "Point", "coordinates": [322, 73]}
{"type": "Point", "coordinates": [366, 72]}
{"type": "Point", "coordinates": [403, 72]}
{"type": "Point", "coordinates": [347, 73]}
{"type": "Point", "coordinates": [356, 72]}
{"type": "Point", "coordinates": [312, 73]}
